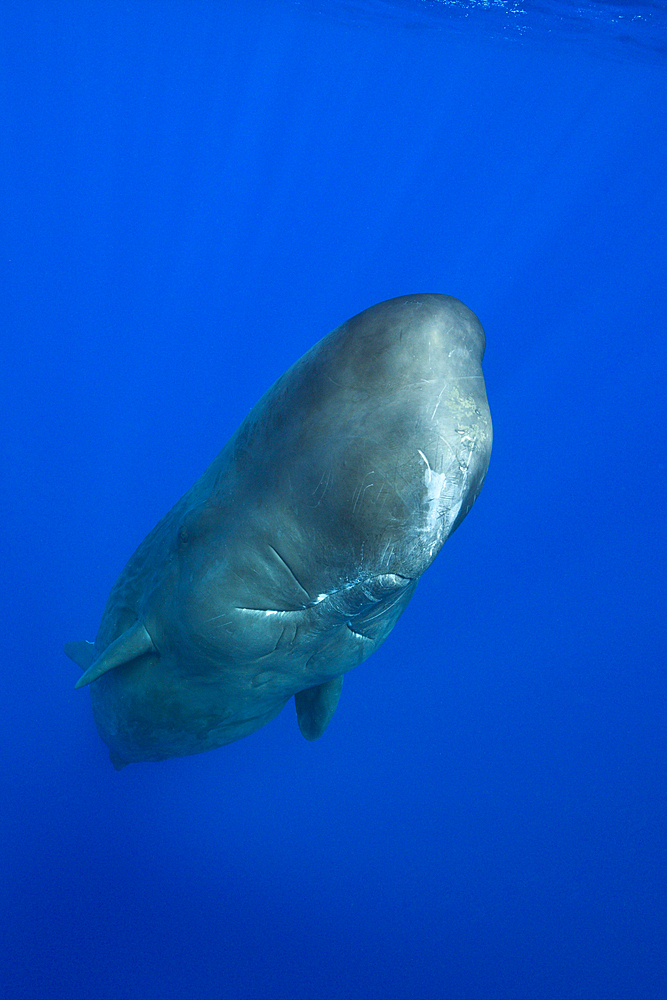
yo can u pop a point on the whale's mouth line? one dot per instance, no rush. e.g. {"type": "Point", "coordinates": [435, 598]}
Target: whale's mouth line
{"type": "Point", "coordinates": [360, 634]}
{"type": "Point", "coordinates": [364, 581]}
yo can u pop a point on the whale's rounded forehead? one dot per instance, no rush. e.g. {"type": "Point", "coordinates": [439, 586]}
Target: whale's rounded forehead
{"type": "Point", "coordinates": [425, 314]}
{"type": "Point", "coordinates": [366, 397]}
{"type": "Point", "coordinates": [395, 342]}
{"type": "Point", "coordinates": [441, 318]}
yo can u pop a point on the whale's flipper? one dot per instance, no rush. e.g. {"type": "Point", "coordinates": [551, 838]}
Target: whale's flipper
{"type": "Point", "coordinates": [132, 643]}
{"type": "Point", "coordinates": [117, 760]}
{"type": "Point", "coordinates": [81, 652]}
{"type": "Point", "coordinates": [315, 707]}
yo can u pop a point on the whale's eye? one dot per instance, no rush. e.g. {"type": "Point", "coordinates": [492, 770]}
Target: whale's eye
{"type": "Point", "coordinates": [183, 536]}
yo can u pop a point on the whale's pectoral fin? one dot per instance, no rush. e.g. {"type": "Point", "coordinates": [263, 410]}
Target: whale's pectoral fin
{"type": "Point", "coordinates": [132, 643]}
{"type": "Point", "coordinates": [81, 652]}
{"type": "Point", "coordinates": [315, 707]}
{"type": "Point", "coordinates": [117, 760]}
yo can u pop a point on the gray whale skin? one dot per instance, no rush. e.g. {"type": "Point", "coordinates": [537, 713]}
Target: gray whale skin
{"type": "Point", "coordinates": [292, 558]}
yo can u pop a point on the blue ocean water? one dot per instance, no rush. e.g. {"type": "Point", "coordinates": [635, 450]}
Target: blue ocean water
{"type": "Point", "coordinates": [193, 194]}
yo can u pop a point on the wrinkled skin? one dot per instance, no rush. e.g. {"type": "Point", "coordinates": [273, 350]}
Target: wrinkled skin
{"type": "Point", "coordinates": [292, 558]}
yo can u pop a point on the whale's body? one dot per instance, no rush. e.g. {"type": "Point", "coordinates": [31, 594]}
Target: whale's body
{"type": "Point", "coordinates": [292, 558]}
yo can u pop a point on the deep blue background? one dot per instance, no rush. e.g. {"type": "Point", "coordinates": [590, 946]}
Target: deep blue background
{"type": "Point", "coordinates": [193, 193]}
